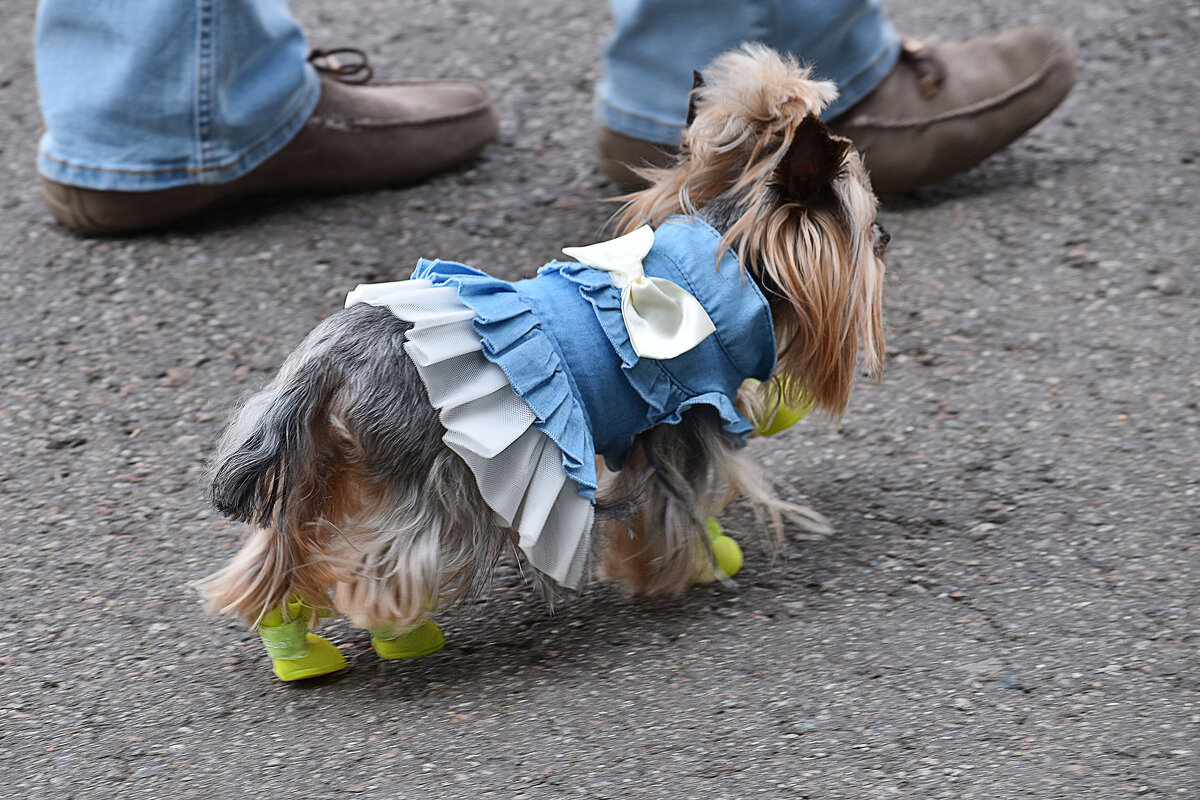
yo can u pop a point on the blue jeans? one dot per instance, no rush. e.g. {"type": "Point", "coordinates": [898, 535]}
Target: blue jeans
{"type": "Point", "coordinates": [148, 94]}
{"type": "Point", "coordinates": [657, 43]}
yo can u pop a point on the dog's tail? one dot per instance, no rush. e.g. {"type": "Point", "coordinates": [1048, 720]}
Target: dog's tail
{"type": "Point", "coordinates": [274, 469]}
{"type": "Point", "coordinates": [263, 456]}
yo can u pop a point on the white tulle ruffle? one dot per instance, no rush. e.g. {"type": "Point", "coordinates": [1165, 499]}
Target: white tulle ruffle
{"type": "Point", "coordinates": [517, 467]}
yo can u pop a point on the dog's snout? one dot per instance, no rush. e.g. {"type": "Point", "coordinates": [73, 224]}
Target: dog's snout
{"type": "Point", "coordinates": [882, 237]}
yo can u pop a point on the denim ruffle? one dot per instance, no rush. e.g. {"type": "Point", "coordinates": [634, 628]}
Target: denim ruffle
{"type": "Point", "coordinates": [513, 340]}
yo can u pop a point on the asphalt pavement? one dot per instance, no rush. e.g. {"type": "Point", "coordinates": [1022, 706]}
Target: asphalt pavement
{"type": "Point", "coordinates": [1006, 610]}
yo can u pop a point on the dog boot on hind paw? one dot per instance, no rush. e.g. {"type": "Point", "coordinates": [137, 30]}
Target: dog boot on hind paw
{"type": "Point", "coordinates": [295, 653]}
{"type": "Point", "coordinates": [727, 555]}
{"type": "Point", "coordinates": [409, 641]}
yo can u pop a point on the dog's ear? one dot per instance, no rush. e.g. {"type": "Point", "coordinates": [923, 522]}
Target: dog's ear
{"type": "Point", "coordinates": [811, 163]}
{"type": "Point", "coordinates": [697, 82]}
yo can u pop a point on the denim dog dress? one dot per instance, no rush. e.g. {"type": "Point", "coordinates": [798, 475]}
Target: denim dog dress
{"type": "Point", "coordinates": [534, 378]}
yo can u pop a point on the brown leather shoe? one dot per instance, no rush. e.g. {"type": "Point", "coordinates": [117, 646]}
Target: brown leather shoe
{"type": "Point", "coordinates": [946, 106]}
{"type": "Point", "coordinates": [943, 108]}
{"type": "Point", "coordinates": [358, 137]}
{"type": "Point", "coordinates": [619, 154]}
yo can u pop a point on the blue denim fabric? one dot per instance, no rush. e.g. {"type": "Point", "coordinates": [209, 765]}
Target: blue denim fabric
{"type": "Point", "coordinates": [149, 94]}
{"type": "Point", "coordinates": [561, 341]}
{"type": "Point", "coordinates": [657, 43]}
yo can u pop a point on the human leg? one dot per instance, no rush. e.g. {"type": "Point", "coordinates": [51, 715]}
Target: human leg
{"type": "Point", "coordinates": [918, 113]}
{"type": "Point", "coordinates": [657, 43]}
{"type": "Point", "coordinates": [142, 96]}
{"type": "Point", "coordinates": [154, 115]}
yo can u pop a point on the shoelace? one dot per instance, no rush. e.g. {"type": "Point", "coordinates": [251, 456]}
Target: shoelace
{"type": "Point", "coordinates": [931, 70]}
{"type": "Point", "coordinates": [356, 70]}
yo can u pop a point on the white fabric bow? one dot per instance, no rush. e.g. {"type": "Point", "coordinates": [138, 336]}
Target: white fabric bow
{"type": "Point", "coordinates": [662, 319]}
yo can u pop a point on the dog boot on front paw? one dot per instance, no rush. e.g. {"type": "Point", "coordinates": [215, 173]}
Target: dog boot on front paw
{"type": "Point", "coordinates": [408, 641]}
{"type": "Point", "coordinates": [727, 555]}
{"type": "Point", "coordinates": [295, 653]}
{"type": "Point", "coordinates": [770, 420]}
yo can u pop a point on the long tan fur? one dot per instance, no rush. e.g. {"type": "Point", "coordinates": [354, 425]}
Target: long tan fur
{"type": "Point", "coordinates": [829, 286]}
{"type": "Point", "coordinates": [817, 264]}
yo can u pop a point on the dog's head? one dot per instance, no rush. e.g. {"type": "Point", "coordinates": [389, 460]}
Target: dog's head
{"type": "Point", "coordinates": [796, 205]}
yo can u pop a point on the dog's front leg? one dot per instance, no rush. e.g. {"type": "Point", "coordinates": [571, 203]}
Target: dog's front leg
{"type": "Point", "coordinates": [680, 476]}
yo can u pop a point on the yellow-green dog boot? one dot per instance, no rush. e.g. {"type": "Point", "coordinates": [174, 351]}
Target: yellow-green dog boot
{"type": "Point", "coordinates": [295, 653]}
{"type": "Point", "coordinates": [727, 555]}
{"type": "Point", "coordinates": [726, 551]}
{"type": "Point", "coordinates": [770, 421]}
{"type": "Point", "coordinates": [411, 641]}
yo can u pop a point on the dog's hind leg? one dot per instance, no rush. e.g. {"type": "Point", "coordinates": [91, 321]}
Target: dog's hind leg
{"type": "Point", "coordinates": [340, 469]}
{"type": "Point", "coordinates": [280, 582]}
{"type": "Point", "coordinates": [291, 467]}
{"type": "Point", "coordinates": [424, 544]}
{"type": "Point", "coordinates": [420, 536]}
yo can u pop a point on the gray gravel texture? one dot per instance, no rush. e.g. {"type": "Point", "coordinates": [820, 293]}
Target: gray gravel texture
{"type": "Point", "coordinates": [1007, 609]}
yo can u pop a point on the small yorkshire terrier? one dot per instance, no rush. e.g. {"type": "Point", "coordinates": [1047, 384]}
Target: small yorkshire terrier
{"type": "Point", "coordinates": [434, 422]}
